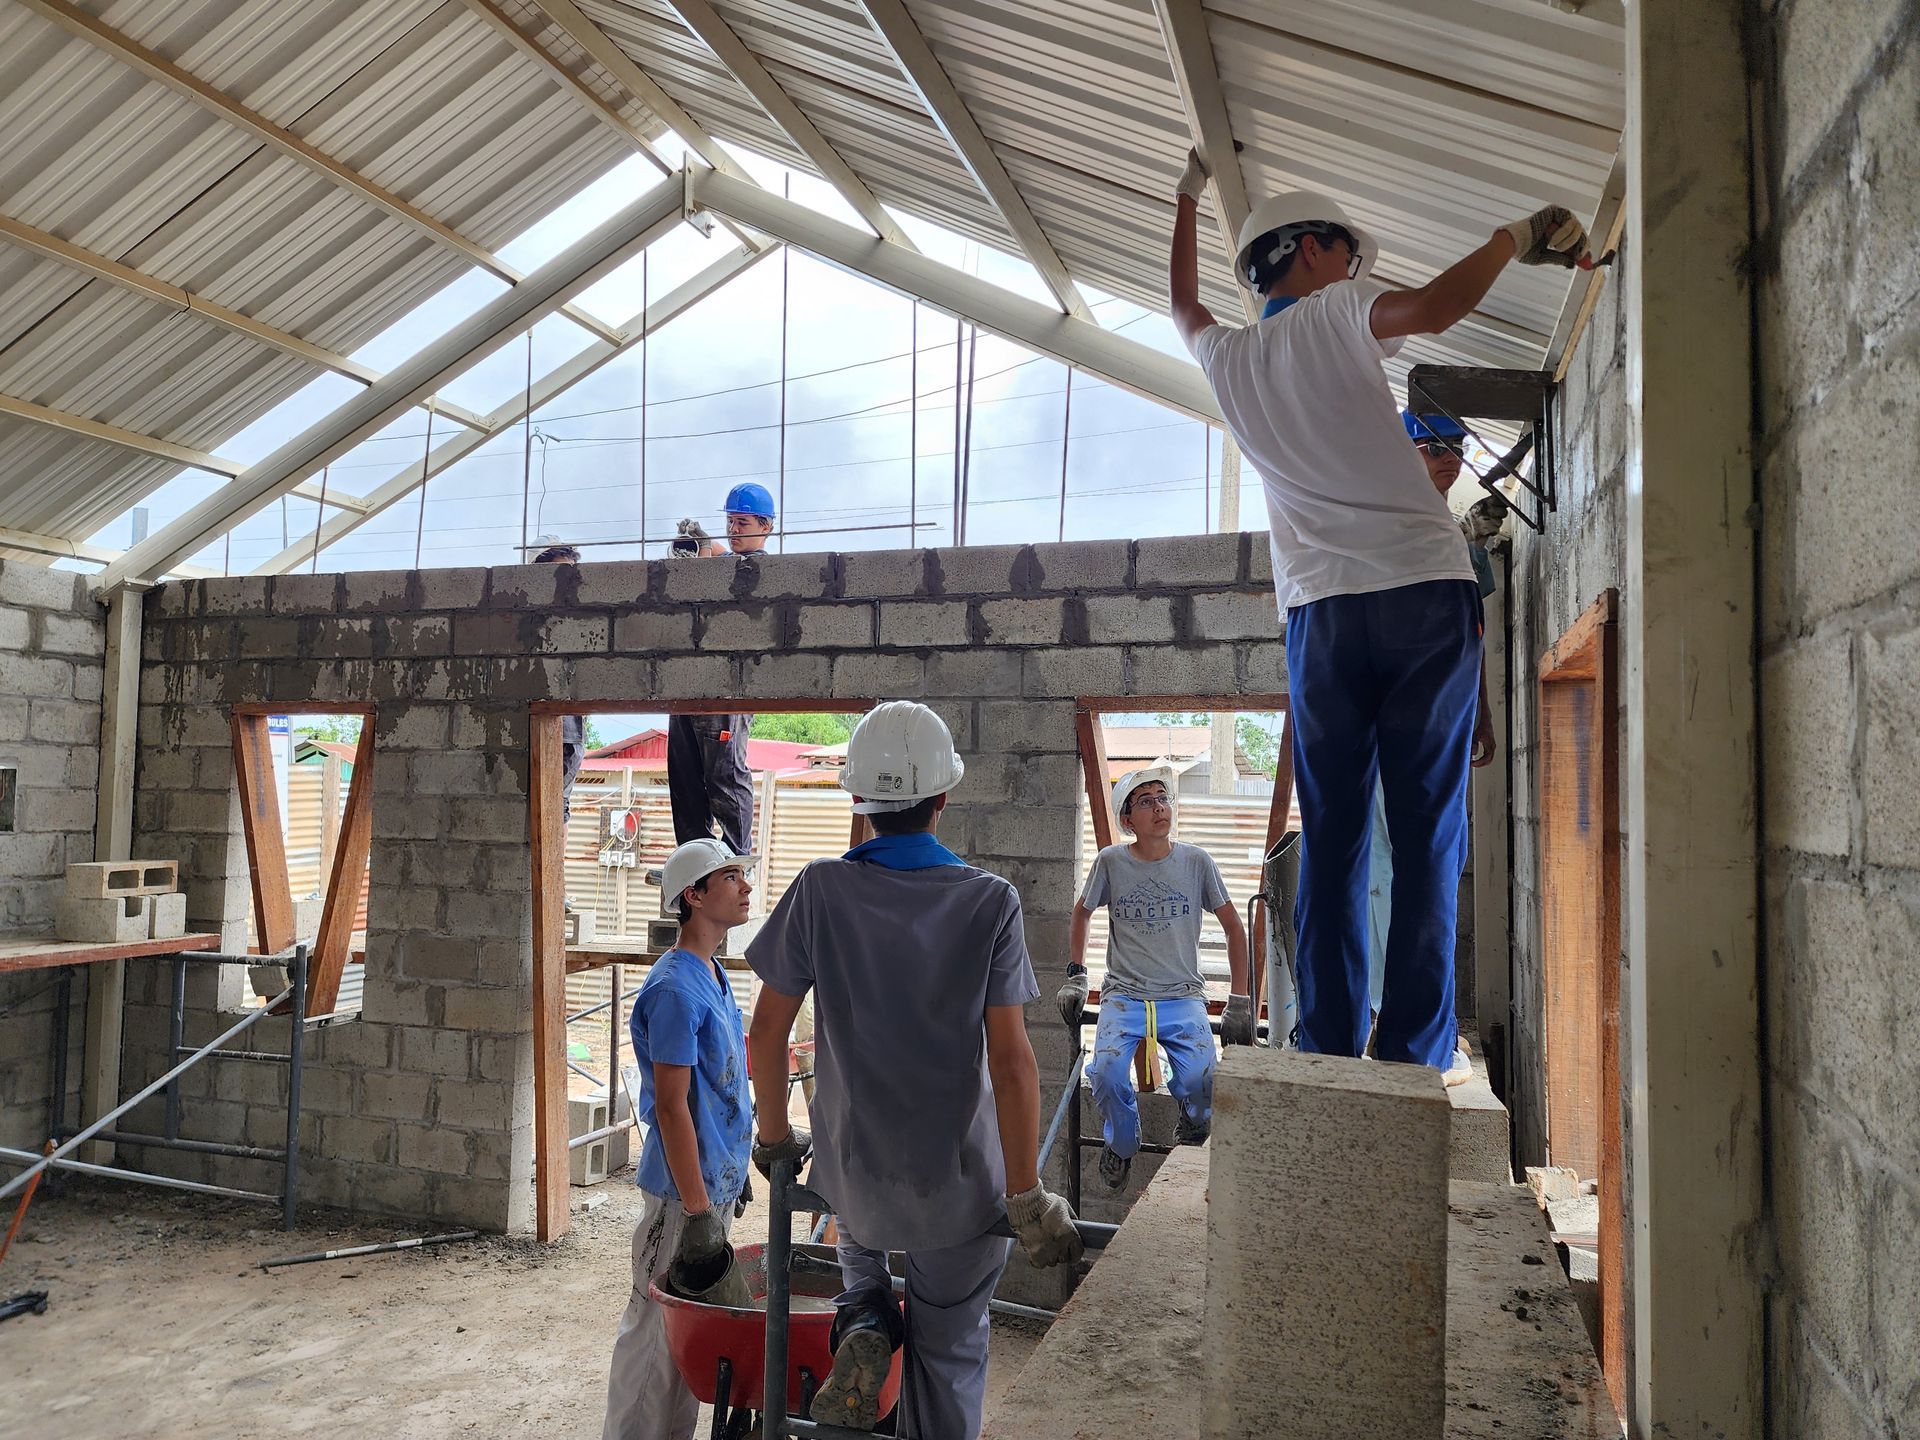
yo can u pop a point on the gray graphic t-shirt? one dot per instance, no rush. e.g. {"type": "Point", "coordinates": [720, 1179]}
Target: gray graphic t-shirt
{"type": "Point", "coordinates": [1154, 909]}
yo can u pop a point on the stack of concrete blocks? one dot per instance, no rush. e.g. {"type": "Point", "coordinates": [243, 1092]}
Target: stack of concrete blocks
{"type": "Point", "coordinates": [587, 1164]}
{"type": "Point", "coordinates": [119, 902]}
{"type": "Point", "coordinates": [580, 927]}
{"type": "Point", "coordinates": [423, 1106]}
{"type": "Point", "coordinates": [1326, 1311]}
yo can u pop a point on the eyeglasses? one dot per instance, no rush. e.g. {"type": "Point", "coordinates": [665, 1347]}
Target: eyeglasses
{"type": "Point", "coordinates": [1438, 447]}
{"type": "Point", "coordinates": [1152, 802]}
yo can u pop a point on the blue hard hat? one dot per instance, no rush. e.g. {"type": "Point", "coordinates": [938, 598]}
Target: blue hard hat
{"type": "Point", "coordinates": [750, 499]}
{"type": "Point", "coordinates": [1429, 427]}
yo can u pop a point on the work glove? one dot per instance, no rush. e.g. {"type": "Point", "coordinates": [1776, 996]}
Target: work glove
{"type": "Point", "coordinates": [703, 1267]}
{"type": "Point", "coordinates": [1072, 998]}
{"type": "Point", "coordinates": [1043, 1223]}
{"type": "Point", "coordinates": [796, 1145]}
{"type": "Point", "coordinates": [1549, 236]}
{"type": "Point", "coordinates": [1236, 1025]}
{"type": "Point", "coordinates": [1193, 179]}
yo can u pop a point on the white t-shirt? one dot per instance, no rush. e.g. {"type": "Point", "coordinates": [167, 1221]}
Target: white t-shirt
{"type": "Point", "coordinates": [1348, 501]}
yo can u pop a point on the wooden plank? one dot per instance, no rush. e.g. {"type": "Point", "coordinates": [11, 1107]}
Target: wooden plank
{"type": "Point", "coordinates": [343, 881]}
{"type": "Point", "coordinates": [1093, 771]}
{"type": "Point", "coordinates": [1575, 655]}
{"type": "Point", "coordinates": [45, 952]}
{"type": "Point", "coordinates": [802, 706]}
{"type": "Point", "coordinates": [266, 843]}
{"type": "Point", "coordinates": [544, 816]}
{"type": "Point", "coordinates": [860, 831]}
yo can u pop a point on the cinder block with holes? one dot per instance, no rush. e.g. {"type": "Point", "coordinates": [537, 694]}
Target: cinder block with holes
{"type": "Point", "coordinates": [101, 879]}
{"type": "Point", "coordinates": [587, 1164]}
{"type": "Point", "coordinates": [109, 920]}
{"type": "Point", "coordinates": [580, 927]}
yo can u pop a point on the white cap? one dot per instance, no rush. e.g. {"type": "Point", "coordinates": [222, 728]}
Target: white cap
{"type": "Point", "coordinates": [1299, 207]}
{"type": "Point", "coordinates": [694, 862]}
{"type": "Point", "coordinates": [1124, 787]}
{"type": "Point", "coordinates": [899, 754]}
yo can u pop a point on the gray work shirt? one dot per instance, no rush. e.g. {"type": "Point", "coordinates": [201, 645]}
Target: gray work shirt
{"type": "Point", "coordinates": [1154, 910]}
{"type": "Point", "coordinates": [903, 965]}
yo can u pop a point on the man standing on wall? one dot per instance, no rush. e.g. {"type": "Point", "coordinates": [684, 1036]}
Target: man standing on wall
{"type": "Point", "coordinates": [707, 776]}
{"type": "Point", "coordinates": [1381, 610]}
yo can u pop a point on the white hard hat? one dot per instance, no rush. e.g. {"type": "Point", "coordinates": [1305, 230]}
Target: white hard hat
{"type": "Point", "coordinates": [694, 862]}
{"type": "Point", "coordinates": [1297, 207]}
{"type": "Point", "coordinates": [1124, 787]}
{"type": "Point", "coordinates": [899, 754]}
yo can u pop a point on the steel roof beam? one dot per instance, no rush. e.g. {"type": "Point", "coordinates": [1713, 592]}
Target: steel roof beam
{"type": "Point", "coordinates": [157, 67]}
{"type": "Point", "coordinates": [126, 277]}
{"type": "Point", "coordinates": [116, 435]}
{"type": "Point", "coordinates": [642, 86]}
{"type": "Point", "coordinates": [546, 389]}
{"type": "Point", "coordinates": [27, 543]}
{"type": "Point", "coordinates": [930, 81]}
{"type": "Point", "coordinates": [1080, 343]}
{"type": "Point", "coordinates": [546, 290]}
{"type": "Point", "coordinates": [740, 62]}
{"type": "Point", "coordinates": [1183, 26]}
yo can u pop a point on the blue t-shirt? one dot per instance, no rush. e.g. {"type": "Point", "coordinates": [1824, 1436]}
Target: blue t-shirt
{"type": "Point", "coordinates": [685, 1014]}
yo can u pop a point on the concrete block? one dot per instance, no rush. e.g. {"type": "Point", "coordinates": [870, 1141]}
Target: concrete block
{"type": "Point", "coordinates": [917, 626]}
{"type": "Point", "coordinates": [1082, 565]}
{"type": "Point", "coordinates": [531, 587]}
{"type": "Point", "coordinates": [94, 880]}
{"type": "Point", "coordinates": [351, 1137]}
{"type": "Point", "coordinates": [462, 589]}
{"type": "Point", "coordinates": [1023, 727]}
{"type": "Point", "coordinates": [1262, 666]}
{"type": "Point", "coordinates": [64, 722]}
{"type": "Point", "coordinates": [579, 927]}
{"type": "Point", "coordinates": [614, 582]}
{"type": "Point", "coordinates": [587, 1164]}
{"type": "Point", "coordinates": [837, 627]}
{"type": "Point", "coordinates": [115, 920]}
{"type": "Point", "coordinates": [430, 1050]}
{"type": "Point", "coordinates": [1023, 622]}
{"type": "Point", "coordinates": [36, 676]}
{"type": "Point", "coordinates": [979, 570]}
{"type": "Point", "coordinates": [648, 631]}
{"type": "Point", "coordinates": [1826, 47]}
{"type": "Point", "coordinates": [974, 673]}
{"type": "Point", "coordinates": [1197, 671]}
{"type": "Point", "coordinates": [1185, 562]}
{"type": "Point", "coordinates": [1073, 672]}
{"type": "Point", "coordinates": [432, 1147]}
{"type": "Point", "coordinates": [13, 720]}
{"type": "Point", "coordinates": [1326, 1318]}
{"type": "Point", "coordinates": [16, 630]}
{"type": "Point", "coordinates": [411, 727]}
{"type": "Point", "coordinates": [1806, 730]}
{"type": "Point", "coordinates": [1892, 749]}
{"type": "Point", "coordinates": [167, 916]}
{"type": "Point", "coordinates": [72, 634]}
{"type": "Point", "coordinates": [1884, 276]}
{"type": "Point", "coordinates": [879, 677]}
{"type": "Point", "coordinates": [1130, 619]}
{"type": "Point", "coordinates": [805, 576]}
{"type": "Point", "coordinates": [878, 573]}
{"type": "Point", "coordinates": [305, 594]}
{"type": "Point", "coordinates": [473, 1104]}
{"type": "Point", "coordinates": [1479, 1137]}
{"type": "Point", "coordinates": [785, 677]}
{"type": "Point", "coordinates": [571, 635]}
{"type": "Point", "coordinates": [22, 583]}
{"type": "Point", "coordinates": [1235, 615]}
{"type": "Point", "coordinates": [707, 578]}
{"type": "Point", "coordinates": [412, 636]}
{"type": "Point", "coordinates": [396, 1097]}
{"type": "Point", "coordinates": [754, 627]}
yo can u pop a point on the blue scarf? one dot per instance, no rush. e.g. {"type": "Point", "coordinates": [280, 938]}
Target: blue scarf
{"type": "Point", "coordinates": [1277, 304]}
{"type": "Point", "coordinates": [918, 851]}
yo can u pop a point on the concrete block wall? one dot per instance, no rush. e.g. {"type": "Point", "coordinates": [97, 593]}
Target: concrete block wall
{"type": "Point", "coordinates": [1838, 433]}
{"type": "Point", "coordinates": [52, 648]}
{"type": "Point", "coordinates": [423, 1107]}
{"type": "Point", "coordinates": [1556, 575]}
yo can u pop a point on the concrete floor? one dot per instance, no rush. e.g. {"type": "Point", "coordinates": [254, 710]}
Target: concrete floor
{"type": "Point", "coordinates": [161, 1324]}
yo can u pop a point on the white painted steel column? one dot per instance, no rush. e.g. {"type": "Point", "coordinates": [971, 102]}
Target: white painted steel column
{"type": "Point", "coordinates": [1691, 1005]}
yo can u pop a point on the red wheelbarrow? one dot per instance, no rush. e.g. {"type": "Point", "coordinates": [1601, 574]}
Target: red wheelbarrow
{"type": "Point", "coordinates": [721, 1352]}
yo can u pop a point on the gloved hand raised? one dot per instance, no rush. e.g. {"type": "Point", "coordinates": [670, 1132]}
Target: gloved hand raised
{"type": "Point", "coordinates": [1236, 1024]}
{"type": "Point", "coordinates": [1072, 998]}
{"type": "Point", "coordinates": [1549, 236]}
{"type": "Point", "coordinates": [796, 1146]}
{"type": "Point", "coordinates": [1193, 179]}
{"type": "Point", "coordinates": [1043, 1223]}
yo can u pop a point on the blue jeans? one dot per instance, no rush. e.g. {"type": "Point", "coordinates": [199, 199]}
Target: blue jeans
{"type": "Point", "coordinates": [1179, 1027]}
{"type": "Point", "coordinates": [1383, 686]}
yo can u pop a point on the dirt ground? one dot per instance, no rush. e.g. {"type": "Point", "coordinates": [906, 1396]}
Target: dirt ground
{"type": "Point", "coordinates": [160, 1323]}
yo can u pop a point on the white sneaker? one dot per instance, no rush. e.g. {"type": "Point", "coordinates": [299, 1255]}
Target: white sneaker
{"type": "Point", "coordinates": [1461, 1070]}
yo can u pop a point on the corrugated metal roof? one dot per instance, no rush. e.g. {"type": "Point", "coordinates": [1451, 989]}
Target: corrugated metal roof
{"type": "Point", "coordinates": [1434, 120]}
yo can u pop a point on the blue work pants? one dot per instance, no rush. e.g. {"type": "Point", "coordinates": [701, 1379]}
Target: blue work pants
{"type": "Point", "coordinates": [1181, 1029]}
{"type": "Point", "coordinates": [1383, 686]}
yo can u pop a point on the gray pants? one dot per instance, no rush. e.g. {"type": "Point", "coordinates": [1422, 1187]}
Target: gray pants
{"type": "Point", "coordinates": [945, 1385]}
{"type": "Point", "coordinates": [708, 779]}
{"type": "Point", "coordinates": [646, 1398]}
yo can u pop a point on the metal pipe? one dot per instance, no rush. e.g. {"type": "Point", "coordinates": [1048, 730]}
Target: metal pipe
{"type": "Point", "coordinates": [273, 1056]}
{"type": "Point", "coordinates": [176, 1033]}
{"type": "Point", "coordinates": [382, 1248]}
{"type": "Point", "coordinates": [605, 1130]}
{"type": "Point", "coordinates": [773, 1420]}
{"type": "Point", "coordinates": [195, 1147]}
{"type": "Point", "coordinates": [62, 1020]}
{"type": "Point", "coordinates": [1066, 438]}
{"type": "Point", "coordinates": [290, 1180]}
{"type": "Point", "coordinates": [1067, 1092]}
{"type": "Point", "coordinates": [107, 1119]}
{"type": "Point", "coordinates": [108, 1172]}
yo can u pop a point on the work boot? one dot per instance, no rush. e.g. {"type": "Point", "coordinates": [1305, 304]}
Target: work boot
{"type": "Point", "coordinates": [1114, 1167]}
{"type": "Point", "coordinates": [863, 1346]}
{"type": "Point", "coordinates": [1189, 1131]}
